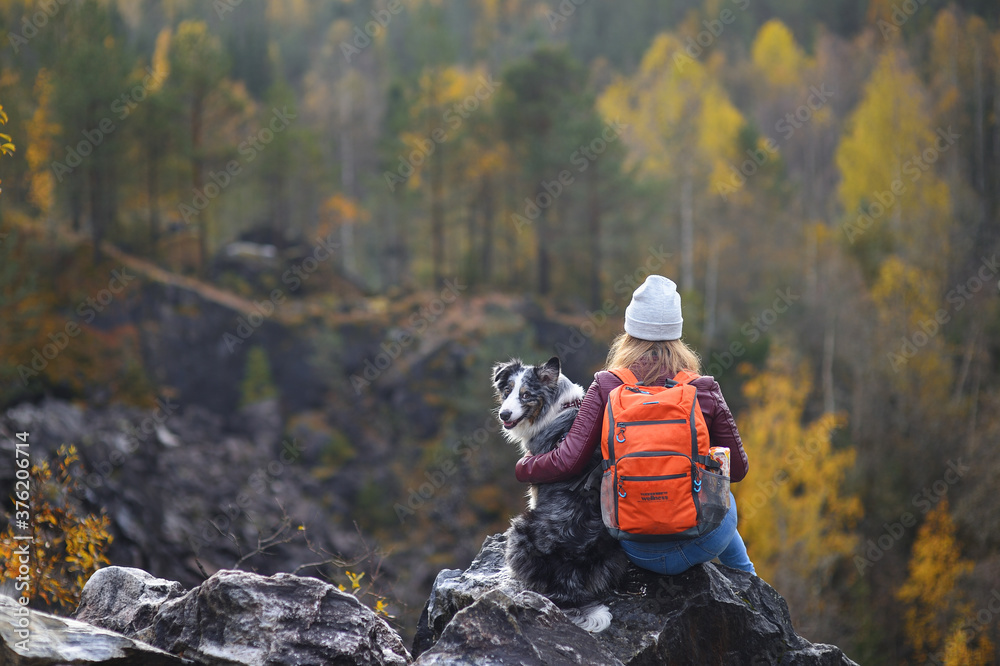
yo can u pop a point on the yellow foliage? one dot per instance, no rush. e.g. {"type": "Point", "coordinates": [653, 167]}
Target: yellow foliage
{"type": "Point", "coordinates": [339, 209]}
{"type": "Point", "coordinates": [881, 155]}
{"type": "Point", "coordinates": [41, 133]}
{"type": "Point", "coordinates": [680, 119]}
{"type": "Point", "coordinates": [780, 60]}
{"type": "Point", "coordinates": [794, 516]}
{"type": "Point", "coordinates": [161, 60]}
{"type": "Point", "coordinates": [907, 288]}
{"type": "Point", "coordinates": [6, 142]}
{"type": "Point", "coordinates": [929, 593]}
{"type": "Point", "coordinates": [906, 298]}
{"type": "Point", "coordinates": [67, 547]}
{"type": "Point", "coordinates": [958, 651]}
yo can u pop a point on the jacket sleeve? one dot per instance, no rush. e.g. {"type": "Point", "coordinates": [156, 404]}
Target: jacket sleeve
{"type": "Point", "coordinates": [722, 429]}
{"type": "Point", "coordinates": [574, 452]}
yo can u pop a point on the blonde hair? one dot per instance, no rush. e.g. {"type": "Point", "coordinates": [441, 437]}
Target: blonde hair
{"type": "Point", "coordinates": [653, 358]}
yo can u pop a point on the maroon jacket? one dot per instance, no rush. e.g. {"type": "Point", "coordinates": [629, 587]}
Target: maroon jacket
{"type": "Point", "coordinates": [573, 454]}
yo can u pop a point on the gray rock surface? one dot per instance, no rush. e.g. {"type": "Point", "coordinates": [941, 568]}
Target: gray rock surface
{"type": "Point", "coordinates": [525, 629]}
{"type": "Point", "coordinates": [708, 615]}
{"type": "Point", "coordinates": [237, 617]}
{"type": "Point", "coordinates": [124, 599]}
{"type": "Point", "coordinates": [49, 640]}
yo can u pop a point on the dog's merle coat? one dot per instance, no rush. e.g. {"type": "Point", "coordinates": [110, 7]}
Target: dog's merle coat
{"type": "Point", "coordinates": [559, 547]}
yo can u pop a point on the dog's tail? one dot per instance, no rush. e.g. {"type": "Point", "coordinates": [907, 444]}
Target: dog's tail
{"type": "Point", "coordinates": [594, 618]}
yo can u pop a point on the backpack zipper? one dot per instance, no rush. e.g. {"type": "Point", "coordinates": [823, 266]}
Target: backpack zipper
{"type": "Point", "coordinates": [652, 478]}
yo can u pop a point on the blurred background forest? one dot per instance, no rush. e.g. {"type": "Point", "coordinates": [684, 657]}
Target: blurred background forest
{"type": "Point", "coordinates": [263, 222]}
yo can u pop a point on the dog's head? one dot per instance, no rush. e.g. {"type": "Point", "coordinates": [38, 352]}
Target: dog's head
{"type": "Point", "coordinates": [525, 392]}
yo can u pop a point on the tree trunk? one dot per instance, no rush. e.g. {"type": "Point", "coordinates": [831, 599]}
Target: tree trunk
{"type": "Point", "coordinates": [544, 279]}
{"type": "Point", "coordinates": [97, 208]}
{"type": "Point", "coordinates": [687, 233]}
{"type": "Point", "coordinates": [437, 195]}
{"type": "Point", "coordinates": [348, 182]}
{"type": "Point", "coordinates": [153, 194]}
{"type": "Point", "coordinates": [437, 218]}
{"type": "Point", "coordinates": [594, 238]}
{"type": "Point", "coordinates": [829, 348]}
{"type": "Point", "coordinates": [486, 262]}
{"type": "Point", "coordinates": [857, 399]}
{"type": "Point", "coordinates": [978, 122]}
{"type": "Point", "coordinates": [711, 292]}
{"type": "Point", "coordinates": [197, 168]}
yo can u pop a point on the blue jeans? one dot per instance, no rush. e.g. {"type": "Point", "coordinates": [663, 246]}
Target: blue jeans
{"type": "Point", "coordinates": [674, 557]}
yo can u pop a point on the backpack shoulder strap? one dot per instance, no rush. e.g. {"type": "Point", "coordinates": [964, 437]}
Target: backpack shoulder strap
{"type": "Point", "coordinates": [624, 374]}
{"type": "Point", "coordinates": [685, 377]}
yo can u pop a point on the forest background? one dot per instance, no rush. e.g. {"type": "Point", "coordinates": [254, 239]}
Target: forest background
{"type": "Point", "coordinates": [420, 188]}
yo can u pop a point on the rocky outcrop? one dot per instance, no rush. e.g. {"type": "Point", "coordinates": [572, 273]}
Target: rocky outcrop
{"type": "Point", "coordinates": [32, 638]}
{"type": "Point", "coordinates": [184, 492]}
{"type": "Point", "coordinates": [708, 615]}
{"type": "Point", "coordinates": [236, 617]}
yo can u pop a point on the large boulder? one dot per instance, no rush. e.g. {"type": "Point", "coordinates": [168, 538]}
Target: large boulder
{"type": "Point", "coordinates": [237, 617]}
{"type": "Point", "coordinates": [33, 638]}
{"type": "Point", "coordinates": [124, 599]}
{"type": "Point", "coordinates": [708, 615]}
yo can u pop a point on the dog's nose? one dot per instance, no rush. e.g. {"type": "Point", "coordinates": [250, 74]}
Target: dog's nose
{"type": "Point", "coordinates": [505, 415]}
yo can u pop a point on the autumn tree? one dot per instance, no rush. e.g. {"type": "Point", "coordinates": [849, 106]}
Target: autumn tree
{"type": "Point", "coordinates": [90, 74]}
{"type": "Point", "coordinates": [683, 135]}
{"type": "Point", "coordinates": [68, 544]}
{"type": "Point", "coordinates": [892, 198]}
{"type": "Point", "coordinates": [932, 595]}
{"type": "Point", "coordinates": [796, 515]}
{"type": "Point", "coordinates": [154, 122]}
{"type": "Point", "coordinates": [198, 65]}
{"type": "Point", "coordinates": [541, 105]}
{"type": "Point", "coordinates": [42, 132]}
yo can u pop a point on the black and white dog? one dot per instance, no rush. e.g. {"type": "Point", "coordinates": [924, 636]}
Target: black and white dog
{"type": "Point", "coordinates": [559, 546]}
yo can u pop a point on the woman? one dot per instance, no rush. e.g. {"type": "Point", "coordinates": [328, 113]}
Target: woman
{"type": "Point", "coordinates": [652, 348]}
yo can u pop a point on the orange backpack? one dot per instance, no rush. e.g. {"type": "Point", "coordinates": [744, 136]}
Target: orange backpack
{"type": "Point", "coordinates": [658, 481]}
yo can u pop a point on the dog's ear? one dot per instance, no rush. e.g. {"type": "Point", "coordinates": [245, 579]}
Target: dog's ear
{"type": "Point", "coordinates": [549, 373]}
{"type": "Point", "coordinates": [503, 371]}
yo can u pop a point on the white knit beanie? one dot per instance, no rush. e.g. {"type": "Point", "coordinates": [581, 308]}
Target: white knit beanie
{"type": "Point", "coordinates": [655, 310]}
